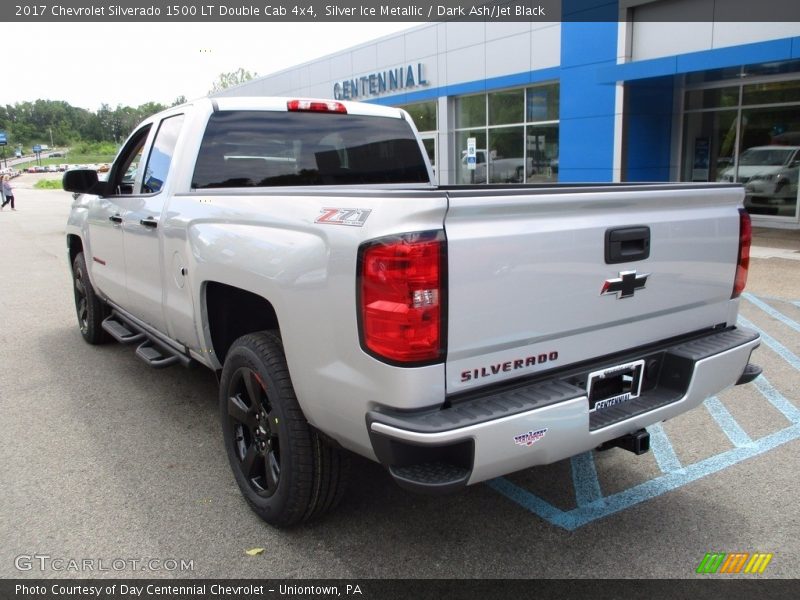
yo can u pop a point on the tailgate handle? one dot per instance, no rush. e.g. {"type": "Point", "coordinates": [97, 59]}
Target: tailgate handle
{"type": "Point", "coordinates": [627, 244]}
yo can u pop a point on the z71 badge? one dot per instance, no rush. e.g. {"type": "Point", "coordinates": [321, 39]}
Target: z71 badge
{"type": "Point", "coordinates": [354, 217]}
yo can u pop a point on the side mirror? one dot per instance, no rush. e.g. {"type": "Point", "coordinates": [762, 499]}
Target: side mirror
{"type": "Point", "coordinates": [84, 181]}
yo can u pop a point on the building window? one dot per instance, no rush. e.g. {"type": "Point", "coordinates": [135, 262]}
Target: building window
{"type": "Point", "coordinates": [516, 135]}
{"type": "Point", "coordinates": [424, 115]}
{"type": "Point", "coordinates": [747, 131]}
{"type": "Point", "coordinates": [427, 123]}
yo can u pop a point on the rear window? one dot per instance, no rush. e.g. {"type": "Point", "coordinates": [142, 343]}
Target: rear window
{"type": "Point", "coordinates": [262, 148]}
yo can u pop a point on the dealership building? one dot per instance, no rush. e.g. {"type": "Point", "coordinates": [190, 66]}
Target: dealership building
{"type": "Point", "coordinates": [655, 90]}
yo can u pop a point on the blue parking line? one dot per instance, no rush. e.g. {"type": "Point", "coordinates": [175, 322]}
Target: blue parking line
{"type": "Point", "coordinates": [778, 400]}
{"type": "Point", "coordinates": [578, 517]}
{"type": "Point", "coordinates": [532, 502]}
{"type": "Point", "coordinates": [584, 479]}
{"type": "Point", "coordinates": [772, 312]}
{"type": "Point", "coordinates": [662, 449]}
{"type": "Point", "coordinates": [770, 341]}
{"type": "Point", "coordinates": [727, 423]}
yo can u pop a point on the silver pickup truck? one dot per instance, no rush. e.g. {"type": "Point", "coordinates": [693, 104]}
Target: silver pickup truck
{"type": "Point", "coordinates": [299, 249]}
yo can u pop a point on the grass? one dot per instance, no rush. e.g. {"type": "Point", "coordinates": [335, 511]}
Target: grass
{"type": "Point", "coordinates": [70, 158]}
{"type": "Point", "coordinates": [48, 184]}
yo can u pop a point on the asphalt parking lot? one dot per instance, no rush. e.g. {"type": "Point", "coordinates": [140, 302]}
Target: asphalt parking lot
{"type": "Point", "coordinates": [103, 458]}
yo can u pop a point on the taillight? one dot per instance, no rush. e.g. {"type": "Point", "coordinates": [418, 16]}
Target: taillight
{"type": "Point", "coordinates": [401, 287]}
{"type": "Point", "coordinates": [743, 261]}
{"type": "Point", "coordinates": [315, 106]}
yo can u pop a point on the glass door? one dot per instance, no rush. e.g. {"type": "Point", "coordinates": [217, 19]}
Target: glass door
{"type": "Point", "coordinates": [431, 147]}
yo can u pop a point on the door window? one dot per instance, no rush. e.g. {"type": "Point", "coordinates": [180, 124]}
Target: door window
{"type": "Point", "coordinates": [123, 173]}
{"type": "Point", "coordinates": [155, 173]}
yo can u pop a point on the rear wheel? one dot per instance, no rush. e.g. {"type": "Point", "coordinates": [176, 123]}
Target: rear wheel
{"type": "Point", "coordinates": [90, 309]}
{"type": "Point", "coordinates": [285, 471]}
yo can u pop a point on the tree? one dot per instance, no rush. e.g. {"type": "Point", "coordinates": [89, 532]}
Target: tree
{"type": "Point", "coordinates": [179, 100]}
{"type": "Point", "coordinates": [226, 80]}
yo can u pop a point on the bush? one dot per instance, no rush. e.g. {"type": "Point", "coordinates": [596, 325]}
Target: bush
{"type": "Point", "coordinates": [94, 148]}
{"type": "Point", "coordinates": [48, 184]}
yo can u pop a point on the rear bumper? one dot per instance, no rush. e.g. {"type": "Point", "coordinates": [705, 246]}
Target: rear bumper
{"type": "Point", "coordinates": [500, 431]}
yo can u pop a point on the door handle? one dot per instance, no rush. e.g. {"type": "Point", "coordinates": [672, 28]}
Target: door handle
{"type": "Point", "coordinates": [116, 219]}
{"type": "Point", "coordinates": [627, 244]}
{"type": "Point", "coordinates": [149, 222]}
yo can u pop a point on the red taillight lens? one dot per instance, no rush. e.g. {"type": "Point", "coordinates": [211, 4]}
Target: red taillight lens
{"type": "Point", "coordinates": [743, 262]}
{"type": "Point", "coordinates": [315, 106]}
{"type": "Point", "coordinates": [401, 304]}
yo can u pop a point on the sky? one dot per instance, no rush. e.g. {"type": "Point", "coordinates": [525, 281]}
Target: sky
{"type": "Point", "coordinates": [88, 64]}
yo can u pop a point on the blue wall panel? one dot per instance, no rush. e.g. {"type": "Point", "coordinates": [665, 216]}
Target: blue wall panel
{"type": "Point", "coordinates": [648, 129]}
{"type": "Point", "coordinates": [586, 135]}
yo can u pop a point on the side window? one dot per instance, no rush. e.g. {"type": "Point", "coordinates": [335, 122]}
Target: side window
{"type": "Point", "coordinates": [155, 173]}
{"type": "Point", "coordinates": [123, 173]}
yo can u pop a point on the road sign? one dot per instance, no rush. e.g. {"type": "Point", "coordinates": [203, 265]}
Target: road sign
{"type": "Point", "coordinates": [37, 148]}
{"type": "Point", "coordinates": [471, 162]}
{"type": "Point", "coordinates": [3, 139]}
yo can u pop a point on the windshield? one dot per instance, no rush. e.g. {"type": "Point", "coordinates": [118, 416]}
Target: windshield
{"type": "Point", "coordinates": [763, 157]}
{"type": "Point", "coordinates": [264, 148]}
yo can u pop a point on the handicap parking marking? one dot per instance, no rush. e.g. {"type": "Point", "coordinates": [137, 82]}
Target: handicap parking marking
{"type": "Point", "coordinates": [592, 505]}
{"type": "Point", "coordinates": [585, 480]}
{"type": "Point", "coordinates": [772, 312]}
{"type": "Point", "coordinates": [778, 400]}
{"type": "Point", "coordinates": [666, 458]}
{"type": "Point", "coordinates": [781, 350]}
{"type": "Point", "coordinates": [730, 427]}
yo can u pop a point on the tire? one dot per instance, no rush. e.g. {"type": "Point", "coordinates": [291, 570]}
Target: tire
{"type": "Point", "coordinates": [284, 469]}
{"type": "Point", "coordinates": [90, 309]}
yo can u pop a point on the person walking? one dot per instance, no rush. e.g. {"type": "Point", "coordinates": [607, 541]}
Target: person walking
{"type": "Point", "coordinates": [8, 193]}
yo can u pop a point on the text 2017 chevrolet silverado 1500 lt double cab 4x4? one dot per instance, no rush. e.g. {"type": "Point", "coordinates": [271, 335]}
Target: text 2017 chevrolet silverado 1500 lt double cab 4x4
{"type": "Point", "coordinates": [455, 334]}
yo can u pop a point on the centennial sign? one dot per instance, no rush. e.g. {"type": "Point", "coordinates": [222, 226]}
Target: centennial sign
{"type": "Point", "coordinates": [383, 82]}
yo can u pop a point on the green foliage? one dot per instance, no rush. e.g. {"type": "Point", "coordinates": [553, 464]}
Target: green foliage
{"type": "Point", "coordinates": [48, 184]}
{"type": "Point", "coordinates": [226, 80]}
{"type": "Point", "coordinates": [92, 149]}
{"type": "Point", "coordinates": [57, 124]}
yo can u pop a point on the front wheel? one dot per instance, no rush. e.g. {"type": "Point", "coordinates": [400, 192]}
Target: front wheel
{"type": "Point", "coordinates": [90, 309]}
{"type": "Point", "coordinates": [285, 471]}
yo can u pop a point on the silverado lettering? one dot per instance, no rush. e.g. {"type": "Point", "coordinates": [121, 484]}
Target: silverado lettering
{"type": "Point", "coordinates": [508, 366]}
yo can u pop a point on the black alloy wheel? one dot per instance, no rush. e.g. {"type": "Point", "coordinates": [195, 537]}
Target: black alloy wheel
{"type": "Point", "coordinates": [256, 431]}
{"type": "Point", "coordinates": [285, 470]}
{"type": "Point", "coordinates": [90, 309]}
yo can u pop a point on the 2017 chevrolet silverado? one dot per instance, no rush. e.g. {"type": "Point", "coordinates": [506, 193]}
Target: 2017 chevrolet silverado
{"type": "Point", "coordinates": [299, 249]}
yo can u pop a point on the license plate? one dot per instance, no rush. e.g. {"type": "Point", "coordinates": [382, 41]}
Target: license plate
{"type": "Point", "coordinates": [614, 385]}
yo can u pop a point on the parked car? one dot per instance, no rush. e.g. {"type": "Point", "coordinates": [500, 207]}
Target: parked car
{"type": "Point", "coordinates": [766, 166]}
{"type": "Point", "coordinates": [770, 175]}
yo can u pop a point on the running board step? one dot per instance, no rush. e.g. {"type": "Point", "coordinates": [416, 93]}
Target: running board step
{"type": "Point", "coordinates": [158, 356]}
{"type": "Point", "coordinates": [120, 332]}
{"type": "Point", "coordinates": [430, 478]}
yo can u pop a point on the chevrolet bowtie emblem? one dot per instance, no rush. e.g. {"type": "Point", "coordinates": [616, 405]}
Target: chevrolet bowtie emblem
{"type": "Point", "coordinates": [626, 285]}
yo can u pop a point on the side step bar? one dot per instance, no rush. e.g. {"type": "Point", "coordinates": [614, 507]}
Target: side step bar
{"type": "Point", "coordinates": [150, 350]}
{"type": "Point", "coordinates": [117, 330]}
{"type": "Point", "coordinates": [159, 357]}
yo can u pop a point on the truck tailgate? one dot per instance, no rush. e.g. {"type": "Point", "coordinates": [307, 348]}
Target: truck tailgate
{"type": "Point", "coordinates": [528, 270]}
